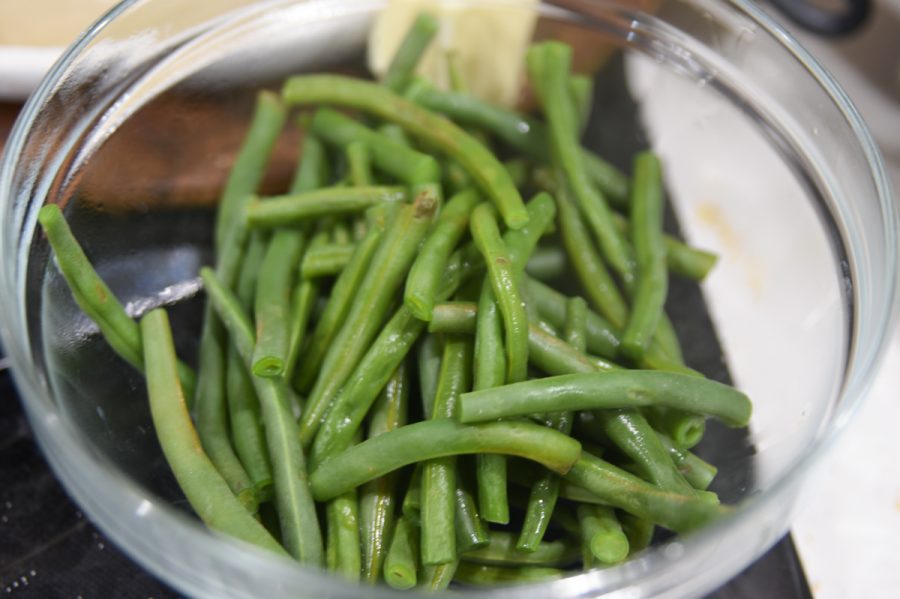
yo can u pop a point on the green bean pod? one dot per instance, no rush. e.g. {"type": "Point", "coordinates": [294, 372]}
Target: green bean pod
{"type": "Point", "coordinates": [411, 49]}
{"type": "Point", "coordinates": [502, 551]}
{"type": "Point", "coordinates": [504, 285]}
{"type": "Point", "coordinates": [548, 66]}
{"type": "Point", "coordinates": [272, 305]}
{"type": "Point", "coordinates": [606, 390]}
{"type": "Point", "coordinates": [343, 292]}
{"type": "Point", "coordinates": [602, 536]}
{"type": "Point", "coordinates": [247, 435]}
{"type": "Point", "coordinates": [437, 438]}
{"type": "Point", "coordinates": [359, 163]}
{"type": "Point", "coordinates": [368, 310]}
{"type": "Point", "coordinates": [343, 549]}
{"type": "Point", "coordinates": [326, 260]}
{"type": "Point", "coordinates": [296, 509]}
{"type": "Point", "coordinates": [287, 210]}
{"type": "Point", "coordinates": [651, 285]}
{"type": "Point", "coordinates": [481, 164]}
{"type": "Point", "coordinates": [698, 472]}
{"type": "Point", "coordinates": [95, 298]}
{"type": "Point", "coordinates": [614, 486]}
{"type": "Point", "coordinates": [424, 277]}
{"type": "Point", "coordinates": [402, 560]}
{"type": "Point", "coordinates": [249, 166]}
{"type": "Point", "coordinates": [489, 575]}
{"type": "Point", "coordinates": [204, 487]}
{"type": "Point", "coordinates": [527, 135]}
{"type": "Point", "coordinates": [385, 354]}
{"type": "Point", "coordinates": [439, 476]}
{"type": "Point", "coordinates": [389, 152]}
{"type": "Point", "coordinates": [378, 498]}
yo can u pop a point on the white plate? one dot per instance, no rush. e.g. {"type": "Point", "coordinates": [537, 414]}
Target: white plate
{"type": "Point", "coordinates": [34, 33]}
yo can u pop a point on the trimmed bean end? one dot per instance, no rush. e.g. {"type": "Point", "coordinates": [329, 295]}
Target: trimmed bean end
{"type": "Point", "coordinates": [268, 367]}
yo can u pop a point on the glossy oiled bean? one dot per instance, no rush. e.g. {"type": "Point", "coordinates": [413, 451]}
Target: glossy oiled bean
{"type": "Point", "coordinates": [481, 164]}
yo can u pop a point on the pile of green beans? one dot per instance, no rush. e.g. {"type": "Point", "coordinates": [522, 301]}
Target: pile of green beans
{"type": "Point", "coordinates": [385, 388]}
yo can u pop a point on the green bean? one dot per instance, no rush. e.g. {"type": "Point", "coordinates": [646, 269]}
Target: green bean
{"type": "Point", "coordinates": [601, 337]}
{"type": "Point", "coordinates": [490, 175]}
{"type": "Point", "coordinates": [665, 340]}
{"type": "Point", "coordinates": [681, 259]}
{"type": "Point", "coordinates": [296, 510]}
{"type": "Point", "coordinates": [602, 535]}
{"type": "Point", "coordinates": [302, 304]}
{"type": "Point", "coordinates": [488, 575]}
{"type": "Point", "coordinates": [204, 487]}
{"type": "Point", "coordinates": [598, 284]}
{"type": "Point", "coordinates": [581, 94]}
{"type": "Point", "coordinates": [651, 284]}
{"type": "Point", "coordinates": [401, 562]}
{"type": "Point", "coordinates": [247, 435]}
{"type": "Point", "coordinates": [424, 277]}
{"type": "Point", "coordinates": [273, 302]}
{"type": "Point", "coordinates": [411, 507]}
{"type": "Point", "coordinates": [684, 428]}
{"type": "Point", "coordinates": [311, 173]}
{"type": "Point", "coordinates": [698, 472]}
{"type": "Point", "coordinates": [548, 67]}
{"type": "Point", "coordinates": [95, 298]}
{"type": "Point", "coordinates": [394, 133]}
{"type": "Point", "coordinates": [439, 475]}
{"type": "Point", "coordinates": [438, 578]}
{"type": "Point", "coordinates": [504, 285]}
{"type": "Point", "coordinates": [545, 489]}
{"type": "Point", "coordinates": [387, 269]}
{"type": "Point", "coordinates": [576, 323]}
{"type": "Point", "coordinates": [638, 531]}
{"type": "Point", "coordinates": [554, 356]}
{"type": "Point", "coordinates": [437, 438]}
{"type": "Point", "coordinates": [411, 49]}
{"type": "Point", "coordinates": [325, 260]}
{"type": "Point", "coordinates": [518, 171]}
{"type": "Point", "coordinates": [471, 532]}
{"type": "Point", "coordinates": [313, 169]}
{"type": "Point", "coordinates": [345, 289]}
{"type": "Point", "coordinates": [633, 435]}
{"type": "Point", "coordinates": [378, 498]}
{"type": "Point", "coordinates": [512, 128]}
{"type": "Point", "coordinates": [547, 263]}
{"type": "Point", "coordinates": [211, 411]}
{"type": "Point", "coordinates": [428, 361]}
{"type": "Point", "coordinates": [490, 362]}
{"type": "Point", "coordinates": [254, 253]}
{"type": "Point", "coordinates": [545, 351]}
{"type": "Point", "coordinates": [249, 166]}
{"type": "Point", "coordinates": [528, 136]}
{"type": "Point", "coordinates": [280, 211]}
{"type": "Point", "coordinates": [386, 353]}
{"type": "Point", "coordinates": [389, 152]}
{"type": "Point", "coordinates": [490, 371]}
{"type": "Point", "coordinates": [359, 163]}
{"type": "Point", "coordinates": [461, 318]}
{"type": "Point", "coordinates": [342, 514]}
{"type": "Point", "coordinates": [607, 390]}
{"type": "Point", "coordinates": [687, 261]}
{"type": "Point", "coordinates": [618, 488]}
{"type": "Point", "coordinates": [502, 551]}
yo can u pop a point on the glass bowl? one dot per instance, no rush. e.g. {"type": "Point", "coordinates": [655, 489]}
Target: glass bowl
{"type": "Point", "coordinates": [767, 163]}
